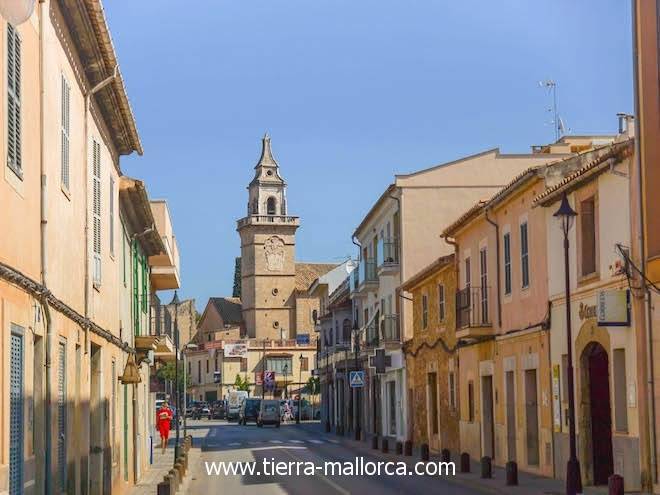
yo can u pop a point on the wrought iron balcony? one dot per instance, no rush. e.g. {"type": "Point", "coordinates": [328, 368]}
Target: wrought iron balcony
{"type": "Point", "coordinates": [355, 280]}
{"type": "Point", "coordinates": [387, 255]}
{"type": "Point", "coordinates": [371, 336]}
{"type": "Point", "coordinates": [473, 309]}
{"type": "Point", "coordinates": [390, 329]}
{"type": "Point", "coordinates": [368, 275]}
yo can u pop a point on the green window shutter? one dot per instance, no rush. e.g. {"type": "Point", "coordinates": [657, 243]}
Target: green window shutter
{"type": "Point", "coordinates": [136, 290]}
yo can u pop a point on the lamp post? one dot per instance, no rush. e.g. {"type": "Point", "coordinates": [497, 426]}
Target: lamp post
{"type": "Point", "coordinates": [175, 302]}
{"type": "Point", "coordinates": [189, 346]}
{"type": "Point", "coordinates": [566, 216]}
{"type": "Point", "coordinates": [300, 390]}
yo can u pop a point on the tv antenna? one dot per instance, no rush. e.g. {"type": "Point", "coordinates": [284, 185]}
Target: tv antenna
{"type": "Point", "coordinates": [557, 122]}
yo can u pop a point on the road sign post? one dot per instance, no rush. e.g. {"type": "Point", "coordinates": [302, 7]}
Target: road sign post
{"type": "Point", "coordinates": [357, 379]}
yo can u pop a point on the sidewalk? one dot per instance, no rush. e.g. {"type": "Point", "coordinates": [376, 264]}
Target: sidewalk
{"type": "Point", "coordinates": [162, 463]}
{"type": "Point", "coordinates": [528, 484]}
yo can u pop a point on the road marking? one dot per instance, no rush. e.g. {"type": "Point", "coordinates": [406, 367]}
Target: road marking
{"type": "Point", "coordinates": [276, 441]}
{"type": "Point", "coordinates": [324, 478]}
{"type": "Point", "coordinates": [234, 444]}
{"type": "Point", "coordinates": [296, 441]}
{"type": "Point", "coordinates": [281, 447]}
{"type": "Point", "coordinates": [331, 440]}
{"type": "Point", "coordinates": [317, 442]}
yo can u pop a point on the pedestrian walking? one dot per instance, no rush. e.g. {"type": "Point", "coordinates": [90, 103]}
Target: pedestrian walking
{"type": "Point", "coordinates": [163, 422]}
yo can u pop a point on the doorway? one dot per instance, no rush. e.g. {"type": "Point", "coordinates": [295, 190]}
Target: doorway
{"type": "Point", "coordinates": [596, 365]}
{"type": "Point", "coordinates": [532, 417]}
{"type": "Point", "coordinates": [488, 416]}
{"type": "Point", "coordinates": [432, 408]}
{"type": "Point", "coordinates": [96, 422]}
{"type": "Point", "coordinates": [511, 416]}
{"type": "Point", "coordinates": [391, 396]}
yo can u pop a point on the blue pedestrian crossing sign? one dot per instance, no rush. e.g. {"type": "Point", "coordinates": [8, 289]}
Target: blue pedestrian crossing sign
{"type": "Point", "coordinates": [356, 379]}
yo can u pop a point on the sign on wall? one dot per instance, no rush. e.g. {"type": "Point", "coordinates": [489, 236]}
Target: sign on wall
{"type": "Point", "coordinates": [556, 405]}
{"type": "Point", "coordinates": [269, 380]}
{"type": "Point", "coordinates": [302, 339]}
{"type": "Point", "coordinates": [217, 377]}
{"type": "Point", "coordinates": [613, 308]}
{"type": "Point", "coordinates": [236, 350]}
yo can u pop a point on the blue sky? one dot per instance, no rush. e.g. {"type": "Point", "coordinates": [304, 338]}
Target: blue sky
{"type": "Point", "coordinates": [351, 93]}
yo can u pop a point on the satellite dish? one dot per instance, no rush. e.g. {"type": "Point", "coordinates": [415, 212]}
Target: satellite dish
{"type": "Point", "coordinates": [16, 11]}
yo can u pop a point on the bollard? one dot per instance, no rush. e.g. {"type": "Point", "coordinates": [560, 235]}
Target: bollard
{"type": "Point", "coordinates": [374, 442]}
{"type": "Point", "coordinates": [185, 462]}
{"type": "Point", "coordinates": [445, 455]}
{"type": "Point", "coordinates": [178, 467]}
{"type": "Point", "coordinates": [511, 473]}
{"type": "Point", "coordinates": [407, 448]}
{"type": "Point", "coordinates": [327, 427]}
{"type": "Point", "coordinates": [385, 448]}
{"type": "Point", "coordinates": [465, 462]}
{"type": "Point", "coordinates": [486, 467]}
{"type": "Point", "coordinates": [615, 485]}
{"type": "Point", "coordinates": [424, 452]}
{"type": "Point", "coordinates": [174, 485]}
{"type": "Point", "coordinates": [182, 463]}
{"type": "Point", "coordinates": [399, 448]}
{"type": "Point", "coordinates": [163, 488]}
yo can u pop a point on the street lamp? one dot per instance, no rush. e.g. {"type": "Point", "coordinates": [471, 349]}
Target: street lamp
{"type": "Point", "coordinates": [189, 346]}
{"type": "Point", "coordinates": [566, 216]}
{"type": "Point", "coordinates": [175, 302]}
{"type": "Point", "coordinates": [300, 390]}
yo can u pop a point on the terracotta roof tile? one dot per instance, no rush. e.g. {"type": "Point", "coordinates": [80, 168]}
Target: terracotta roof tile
{"type": "Point", "coordinates": [306, 273]}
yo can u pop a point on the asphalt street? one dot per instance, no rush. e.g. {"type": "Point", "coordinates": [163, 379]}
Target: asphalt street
{"type": "Point", "coordinates": [295, 446]}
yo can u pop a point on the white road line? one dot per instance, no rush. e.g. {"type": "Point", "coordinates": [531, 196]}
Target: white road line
{"type": "Point", "coordinates": [317, 442]}
{"type": "Point", "coordinates": [331, 440]}
{"type": "Point", "coordinates": [282, 447]}
{"type": "Point", "coordinates": [234, 444]}
{"type": "Point", "coordinates": [296, 441]}
{"type": "Point", "coordinates": [276, 441]}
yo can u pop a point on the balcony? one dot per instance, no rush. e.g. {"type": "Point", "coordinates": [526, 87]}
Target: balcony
{"type": "Point", "coordinates": [368, 275]}
{"type": "Point", "coordinates": [354, 280]}
{"type": "Point", "coordinates": [268, 220]}
{"type": "Point", "coordinates": [390, 329]}
{"type": "Point", "coordinates": [473, 312]}
{"type": "Point", "coordinates": [371, 337]}
{"type": "Point", "coordinates": [164, 266]}
{"type": "Point", "coordinates": [387, 256]}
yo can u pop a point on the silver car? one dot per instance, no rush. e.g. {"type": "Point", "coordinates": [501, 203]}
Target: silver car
{"type": "Point", "coordinates": [269, 413]}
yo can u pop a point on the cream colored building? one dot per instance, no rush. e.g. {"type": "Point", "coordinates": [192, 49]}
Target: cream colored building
{"type": "Point", "coordinates": [398, 237]}
{"type": "Point", "coordinates": [66, 314]}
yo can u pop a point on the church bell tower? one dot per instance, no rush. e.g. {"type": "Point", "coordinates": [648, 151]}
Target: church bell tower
{"type": "Point", "coordinates": [268, 239]}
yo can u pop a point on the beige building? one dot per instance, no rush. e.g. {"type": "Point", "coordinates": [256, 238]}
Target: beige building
{"type": "Point", "coordinates": [398, 237]}
{"type": "Point", "coordinates": [71, 226]}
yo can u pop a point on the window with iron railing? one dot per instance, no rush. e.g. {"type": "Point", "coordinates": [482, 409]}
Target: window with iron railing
{"type": "Point", "coordinates": [387, 252]}
{"type": "Point", "coordinates": [368, 270]}
{"type": "Point", "coordinates": [390, 329]}
{"type": "Point", "coordinates": [472, 307]}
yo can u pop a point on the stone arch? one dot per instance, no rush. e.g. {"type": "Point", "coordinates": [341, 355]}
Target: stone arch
{"type": "Point", "coordinates": [271, 206]}
{"type": "Point", "coordinates": [590, 338]}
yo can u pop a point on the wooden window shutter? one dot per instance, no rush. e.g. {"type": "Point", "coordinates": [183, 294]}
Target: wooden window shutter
{"type": "Point", "coordinates": [14, 156]}
{"type": "Point", "coordinates": [96, 208]}
{"type": "Point", "coordinates": [65, 128]}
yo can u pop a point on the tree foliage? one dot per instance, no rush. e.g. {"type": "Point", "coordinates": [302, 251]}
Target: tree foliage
{"type": "Point", "coordinates": [241, 383]}
{"type": "Point", "coordinates": [237, 278]}
{"type": "Point", "coordinates": [313, 385]}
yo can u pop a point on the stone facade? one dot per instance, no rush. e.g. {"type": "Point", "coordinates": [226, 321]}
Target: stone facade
{"type": "Point", "coordinates": [431, 363]}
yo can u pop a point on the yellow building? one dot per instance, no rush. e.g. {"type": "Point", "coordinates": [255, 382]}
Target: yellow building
{"type": "Point", "coordinates": [431, 364]}
{"type": "Point", "coordinates": [68, 282]}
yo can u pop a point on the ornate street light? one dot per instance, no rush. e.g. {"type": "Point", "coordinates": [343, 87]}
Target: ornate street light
{"type": "Point", "coordinates": [190, 346]}
{"type": "Point", "coordinates": [285, 370]}
{"type": "Point", "coordinates": [175, 302]}
{"type": "Point", "coordinates": [566, 217]}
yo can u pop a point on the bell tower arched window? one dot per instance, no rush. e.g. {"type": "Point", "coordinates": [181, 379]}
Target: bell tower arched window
{"type": "Point", "coordinates": [270, 206]}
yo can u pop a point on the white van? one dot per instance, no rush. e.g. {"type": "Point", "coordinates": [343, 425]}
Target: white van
{"type": "Point", "coordinates": [234, 402]}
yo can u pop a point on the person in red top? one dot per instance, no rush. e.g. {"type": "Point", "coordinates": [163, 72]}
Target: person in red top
{"type": "Point", "coordinates": [163, 420]}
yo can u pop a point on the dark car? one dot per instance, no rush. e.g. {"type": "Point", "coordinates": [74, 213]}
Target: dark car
{"type": "Point", "coordinates": [269, 413]}
{"type": "Point", "coordinates": [249, 410]}
{"type": "Point", "coordinates": [218, 409]}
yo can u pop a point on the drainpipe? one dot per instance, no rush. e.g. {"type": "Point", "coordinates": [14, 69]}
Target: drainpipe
{"type": "Point", "coordinates": [43, 251]}
{"type": "Point", "coordinates": [650, 442]}
{"type": "Point", "coordinates": [88, 97]}
{"type": "Point", "coordinates": [497, 265]}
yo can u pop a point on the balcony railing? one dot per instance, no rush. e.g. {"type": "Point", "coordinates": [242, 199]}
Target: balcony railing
{"type": "Point", "coordinates": [387, 252]}
{"type": "Point", "coordinates": [371, 337]}
{"type": "Point", "coordinates": [355, 280]}
{"type": "Point", "coordinates": [368, 271]}
{"type": "Point", "coordinates": [390, 329]}
{"type": "Point", "coordinates": [473, 307]}
{"type": "Point", "coordinates": [266, 219]}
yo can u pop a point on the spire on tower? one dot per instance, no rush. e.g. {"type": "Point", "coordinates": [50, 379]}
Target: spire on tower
{"type": "Point", "coordinates": [267, 158]}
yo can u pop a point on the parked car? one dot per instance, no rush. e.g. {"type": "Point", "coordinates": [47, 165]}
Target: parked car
{"type": "Point", "coordinates": [269, 413]}
{"type": "Point", "coordinates": [218, 409]}
{"type": "Point", "coordinates": [201, 411]}
{"type": "Point", "coordinates": [249, 410]}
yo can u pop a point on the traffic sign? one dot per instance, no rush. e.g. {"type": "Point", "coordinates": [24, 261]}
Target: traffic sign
{"type": "Point", "coordinates": [357, 379]}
